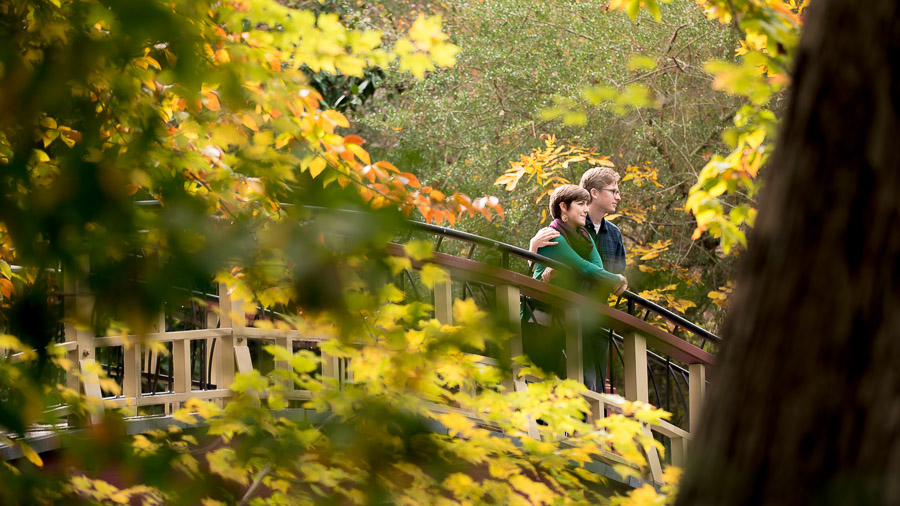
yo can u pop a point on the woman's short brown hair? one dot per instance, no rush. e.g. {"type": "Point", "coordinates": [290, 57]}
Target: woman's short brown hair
{"type": "Point", "coordinates": [567, 194]}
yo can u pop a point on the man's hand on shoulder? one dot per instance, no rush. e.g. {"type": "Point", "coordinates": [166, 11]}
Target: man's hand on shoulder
{"type": "Point", "coordinates": [543, 237]}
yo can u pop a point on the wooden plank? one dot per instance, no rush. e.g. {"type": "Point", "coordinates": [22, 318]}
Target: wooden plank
{"type": "Point", "coordinates": [679, 451]}
{"type": "Point", "coordinates": [696, 395]}
{"type": "Point", "coordinates": [636, 388]}
{"type": "Point", "coordinates": [508, 313]}
{"type": "Point", "coordinates": [574, 346]}
{"type": "Point", "coordinates": [153, 400]}
{"type": "Point", "coordinates": [181, 360]}
{"type": "Point", "coordinates": [163, 337]}
{"type": "Point", "coordinates": [242, 356]}
{"type": "Point", "coordinates": [91, 384]}
{"type": "Point", "coordinates": [443, 302]}
{"type": "Point", "coordinates": [131, 378]}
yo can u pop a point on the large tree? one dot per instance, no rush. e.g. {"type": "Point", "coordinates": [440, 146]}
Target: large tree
{"type": "Point", "coordinates": [806, 399]}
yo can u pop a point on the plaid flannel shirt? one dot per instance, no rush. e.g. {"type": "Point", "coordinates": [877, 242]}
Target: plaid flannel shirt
{"type": "Point", "coordinates": [609, 244]}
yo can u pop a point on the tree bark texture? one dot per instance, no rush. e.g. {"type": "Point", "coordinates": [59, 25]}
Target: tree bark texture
{"type": "Point", "coordinates": [805, 403]}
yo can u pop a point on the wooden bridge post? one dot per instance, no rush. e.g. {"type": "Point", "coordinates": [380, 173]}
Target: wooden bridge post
{"type": "Point", "coordinates": [696, 395]}
{"type": "Point", "coordinates": [235, 356]}
{"type": "Point", "coordinates": [443, 302]}
{"type": "Point", "coordinates": [574, 345]}
{"type": "Point", "coordinates": [508, 302]}
{"type": "Point", "coordinates": [78, 306]}
{"type": "Point", "coordinates": [508, 310]}
{"type": "Point", "coordinates": [637, 388]}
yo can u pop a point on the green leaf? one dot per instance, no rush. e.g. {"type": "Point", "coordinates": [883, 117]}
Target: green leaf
{"type": "Point", "coordinates": [640, 62]}
{"type": "Point", "coordinates": [653, 9]}
{"type": "Point", "coordinates": [249, 381]}
{"type": "Point", "coordinates": [632, 9]}
{"type": "Point", "coordinates": [279, 352]}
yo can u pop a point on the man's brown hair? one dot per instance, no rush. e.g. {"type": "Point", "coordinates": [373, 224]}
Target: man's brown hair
{"type": "Point", "coordinates": [567, 194]}
{"type": "Point", "coordinates": [599, 178]}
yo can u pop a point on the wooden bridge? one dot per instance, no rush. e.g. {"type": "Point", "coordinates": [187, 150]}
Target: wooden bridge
{"type": "Point", "coordinates": [648, 362]}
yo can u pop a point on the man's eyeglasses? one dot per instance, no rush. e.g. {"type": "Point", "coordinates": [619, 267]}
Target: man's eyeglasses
{"type": "Point", "coordinates": [614, 192]}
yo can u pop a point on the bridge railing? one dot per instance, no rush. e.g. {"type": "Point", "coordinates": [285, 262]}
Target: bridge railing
{"type": "Point", "coordinates": [212, 342]}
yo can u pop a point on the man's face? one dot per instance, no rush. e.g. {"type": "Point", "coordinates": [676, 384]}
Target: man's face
{"type": "Point", "coordinates": [606, 199]}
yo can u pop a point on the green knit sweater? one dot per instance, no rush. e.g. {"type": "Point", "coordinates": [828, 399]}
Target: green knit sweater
{"type": "Point", "coordinates": [586, 270]}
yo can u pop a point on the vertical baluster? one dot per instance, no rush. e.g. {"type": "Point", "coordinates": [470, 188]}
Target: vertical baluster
{"type": "Point", "coordinates": [231, 317]}
{"type": "Point", "coordinates": [696, 393]}
{"type": "Point", "coordinates": [574, 345]}
{"type": "Point", "coordinates": [637, 388]}
{"type": "Point", "coordinates": [508, 312]}
{"type": "Point", "coordinates": [211, 355]}
{"type": "Point", "coordinates": [508, 301]}
{"type": "Point", "coordinates": [131, 374]}
{"type": "Point", "coordinates": [443, 302]}
{"type": "Point", "coordinates": [287, 343]}
{"type": "Point", "coordinates": [181, 367]}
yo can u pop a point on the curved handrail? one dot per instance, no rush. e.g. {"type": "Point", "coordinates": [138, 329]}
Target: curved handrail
{"type": "Point", "coordinates": [506, 250]}
{"type": "Point", "coordinates": [618, 320]}
{"type": "Point", "coordinates": [534, 257]}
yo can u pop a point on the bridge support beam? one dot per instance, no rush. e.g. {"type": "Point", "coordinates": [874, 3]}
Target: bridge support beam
{"type": "Point", "coordinates": [697, 394]}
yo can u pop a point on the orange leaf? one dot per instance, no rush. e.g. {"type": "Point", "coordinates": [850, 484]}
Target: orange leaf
{"type": "Point", "coordinates": [409, 179]}
{"type": "Point", "coordinates": [7, 288]}
{"type": "Point", "coordinates": [337, 118]}
{"type": "Point", "coordinates": [358, 151]}
{"type": "Point", "coordinates": [212, 101]}
{"type": "Point", "coordinates": [274, 63]}
{"type": "Point", "coordinates": [222, 56]}
{"type": "Point", "coordinates": [249, 122]}
{"type": "Point", "coordinates": [354, 139]}
{"type": "Point", "coordinates": [387, 166]}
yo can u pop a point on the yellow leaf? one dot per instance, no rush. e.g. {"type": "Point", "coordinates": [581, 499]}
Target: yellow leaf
{"type": "Point", "coordinates": [432, 274]}
{"type": "Point", "coordinates": [456, 423]}
{"type": "Point", "coordinates": [337, 118]}
{"type": "Point", "coordinates": [41, 156]}
{"type": "Point", "coordinates": [444, 55]}
{"type": "Point", "coordinates": [416, 64]}
{"type": "Point", "coordinates": [418, 249]}
{"type": "Point", "coordinates": [398, 264]}
{"type": "Point", "coordinates": [316, 166]}
{"type": "Point", "coordinates": [29, 453]}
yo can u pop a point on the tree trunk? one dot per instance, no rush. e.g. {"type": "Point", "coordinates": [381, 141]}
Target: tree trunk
{"type": "Point", "coordinates": [805, 405]}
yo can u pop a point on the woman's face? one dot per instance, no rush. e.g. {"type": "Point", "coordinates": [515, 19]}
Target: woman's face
{"type": "Point", "coordinates": [575, 211]}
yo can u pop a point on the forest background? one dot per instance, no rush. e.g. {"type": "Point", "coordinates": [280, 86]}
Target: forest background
{"type": "Point", "coordinates": [544, 90]}
{"type": "Point", "coordinates": [213, 124]}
